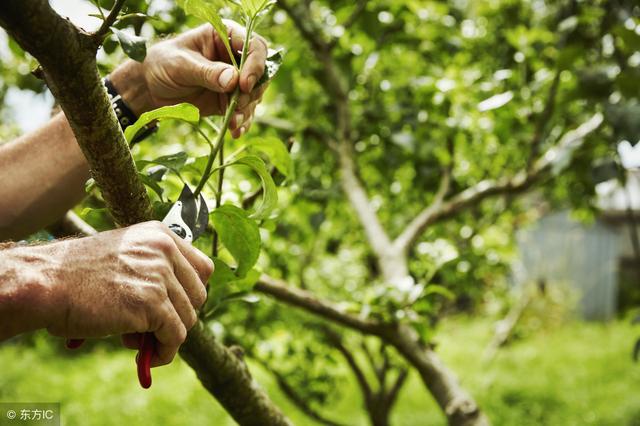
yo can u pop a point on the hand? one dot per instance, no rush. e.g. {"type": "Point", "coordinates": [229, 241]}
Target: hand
{"type": "Point", "coordinates": [195, 67]}
{"type": "Point", "coordinates": [132, 280]}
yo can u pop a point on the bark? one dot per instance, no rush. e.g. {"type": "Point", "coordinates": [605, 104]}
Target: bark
{"type": "Point", "coordinates": [459, 407]}
{"type": "Point", "coordinates": [227, 378]}
{"type": "Point", "coordinates": [67, 57]}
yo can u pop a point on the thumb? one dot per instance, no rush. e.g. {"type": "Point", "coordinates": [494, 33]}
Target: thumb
{"type": "Point", "coordinates": [215, 76]}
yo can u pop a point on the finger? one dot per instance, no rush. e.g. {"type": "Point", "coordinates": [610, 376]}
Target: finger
{"type": "Point", "coordinates": [256, 57]}
{"type": "Point", "coordinates": [191, 289]}
{"type": "Point", "coordinates": [243, 115]}
{"type": "Point", "coordinates": [218, 77]}
{"type": "Point", "coordinates": [131, 340]}
{"type": "Point", "coordinates": [201, 262]}
{"type": "Point", "coordinates": [182, 302]}
{"type": "Point", "coordinates": [210, 103]}
{"type": "Point", "coordinates": [170, 334]}
{"type": "Point", "coordinates": [256, 94]}
{"type": "Point", "coordinates": [244, 99]}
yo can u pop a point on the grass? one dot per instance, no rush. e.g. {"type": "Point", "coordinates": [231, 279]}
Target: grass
{"type": "Point", "coordinates": [580, 374]}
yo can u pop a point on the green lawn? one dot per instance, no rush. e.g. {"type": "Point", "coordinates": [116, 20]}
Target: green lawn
{"type": "Point", "coordinates": [580, 374]}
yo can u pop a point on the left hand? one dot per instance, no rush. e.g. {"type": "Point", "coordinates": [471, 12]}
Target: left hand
{"type": "Point", "coordinates": [195, 67]}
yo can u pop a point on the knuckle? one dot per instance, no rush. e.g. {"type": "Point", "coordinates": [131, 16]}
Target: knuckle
{"type": "Point", "coordinates": [164, 242]}
{"type": "Point", "coordinates": [181, 334]}
{"type": "Point", "coordinates": [191, 321]}
{"type": "Point", "coordinates": [200, 297]}
{"type": "Point", "coordinates": [209, 267]}
{"type": "Point", "coordinates": [207, 73]}
{"type": "Point", "coordinates": [261, 40]}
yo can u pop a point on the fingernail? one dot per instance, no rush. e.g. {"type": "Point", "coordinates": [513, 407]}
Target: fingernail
{"type": "Point", "coordinates": [252, 81]}
{"type": "Point", "coordinates": [225, 77]}
{"type": "Point", "coordinates": [239, 119]}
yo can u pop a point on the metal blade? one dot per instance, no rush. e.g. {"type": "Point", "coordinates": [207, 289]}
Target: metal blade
{"type": "Point", "coordinates": [189, 211]}
{"type": "Point", "coordinates": [202, 219]}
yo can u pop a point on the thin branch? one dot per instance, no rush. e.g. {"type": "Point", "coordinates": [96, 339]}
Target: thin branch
{"type": "Point", "coordinates": [337, 88]}
{"type": "Point", "coordinates": [485, 189]}
{"type": "Point", "coordinates": [307, 301]}
{"type": "Point", "coordinates": [404, 241]}
{"type": "Point", "coordinates": [397, 385]}
{"type": "Point", "coordinates": [357, 196]}
{"type": "Point", "coordinates": [335, 340]}
{"type": "Point", "coordinates": [297, 399]}
{"type": "Point", "coordinates": [99, 35]}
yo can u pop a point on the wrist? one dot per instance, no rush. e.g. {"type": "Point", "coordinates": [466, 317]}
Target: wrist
{"type": "Point", "coordinates": [128, 80]}
{"type": "Point", "coordinates": [29, 298]}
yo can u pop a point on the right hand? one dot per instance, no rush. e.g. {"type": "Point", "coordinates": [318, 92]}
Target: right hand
{"type": "Point", "coordinates": [143, 278]}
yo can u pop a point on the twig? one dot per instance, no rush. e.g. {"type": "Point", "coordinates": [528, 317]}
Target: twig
{"type": "Point", "coordinates": [485, 189]}
{"type": "Point", "coordinates": [99, 35]}
{"type": "Point", "coordinates": [293, 395]}
{"type": "Point", "coordinates": [335, 340]}
{"type": "Point", "coordinates": [309, 302]}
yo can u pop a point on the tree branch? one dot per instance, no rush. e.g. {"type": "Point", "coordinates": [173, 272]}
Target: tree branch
{"type": "Point", "coordinates": [392, 395]}
{"type": "Point", "coordinates": [356, 194]}
{"type": "Point", "coordinates": [67, 55]}
{"type": "Point", "coordinates": [307, 301]}
{"type": "Point", "coordinates": [99, 35]}
{"type": "Point", "coordinates": [293, 395]}
{"type": "Point", "coordinates": [337, 89]}
{"type": "Point", "coordinates": [335, 340]}
{"type": "Point", "coordinates": [522, 181]}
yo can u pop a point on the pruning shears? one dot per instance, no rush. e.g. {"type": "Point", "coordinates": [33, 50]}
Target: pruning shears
{"type": "Point", "coordinates": [188, 218]}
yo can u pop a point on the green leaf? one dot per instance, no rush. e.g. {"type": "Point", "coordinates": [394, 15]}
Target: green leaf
{"type": "Point", "coordinates": [172, 161]}
{"type": "Point", "coordinates": [135, 47]}
{"type": "Point", "coordinates": [270, 193]}
{"type": "Point", "coordinates": [277, 153]}
{"type": "Point", "coordinates": [184, 111]}
{"type": "Point", "coordinates": [225, 286]}
{"type": "Point", "coordinates": [151, 183]}
{"type": "Point", "coordinates": [253, 8]}
{"type": "Point", "coordinates": [208, 11]}
{"type": "Point", "coordinates": [239, 234]}
{"type": "Point", "coordinates": [272, 65]}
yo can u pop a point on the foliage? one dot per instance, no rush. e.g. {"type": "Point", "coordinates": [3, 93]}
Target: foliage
{"type": "Point", "coordinates": [477, 90]}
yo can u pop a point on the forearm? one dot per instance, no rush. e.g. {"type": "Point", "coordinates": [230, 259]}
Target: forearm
{"type": "Point", "coordinates": [43, 175]}
{"type": "Point", "coordinates": [44, 171]}
{"type": "Point", "coordinates": [27, 298]}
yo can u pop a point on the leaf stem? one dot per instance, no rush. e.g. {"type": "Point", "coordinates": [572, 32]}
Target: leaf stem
{"type": "Point", "coordinates": [217, 146]}
{"type": "Point", "coordinates": [214, 244]}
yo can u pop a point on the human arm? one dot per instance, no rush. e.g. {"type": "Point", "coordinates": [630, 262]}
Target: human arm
{"type": "Point", "coordinates": [43, 172]}
{"type": "Point", "coordinates": [132, 280]}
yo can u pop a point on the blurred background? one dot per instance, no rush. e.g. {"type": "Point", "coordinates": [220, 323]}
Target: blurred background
{"type": "Point", "coordinates": [528, 292]}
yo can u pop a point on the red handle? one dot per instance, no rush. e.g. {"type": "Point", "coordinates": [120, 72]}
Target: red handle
{"type": "Point", "coordinates": [143, 360]}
